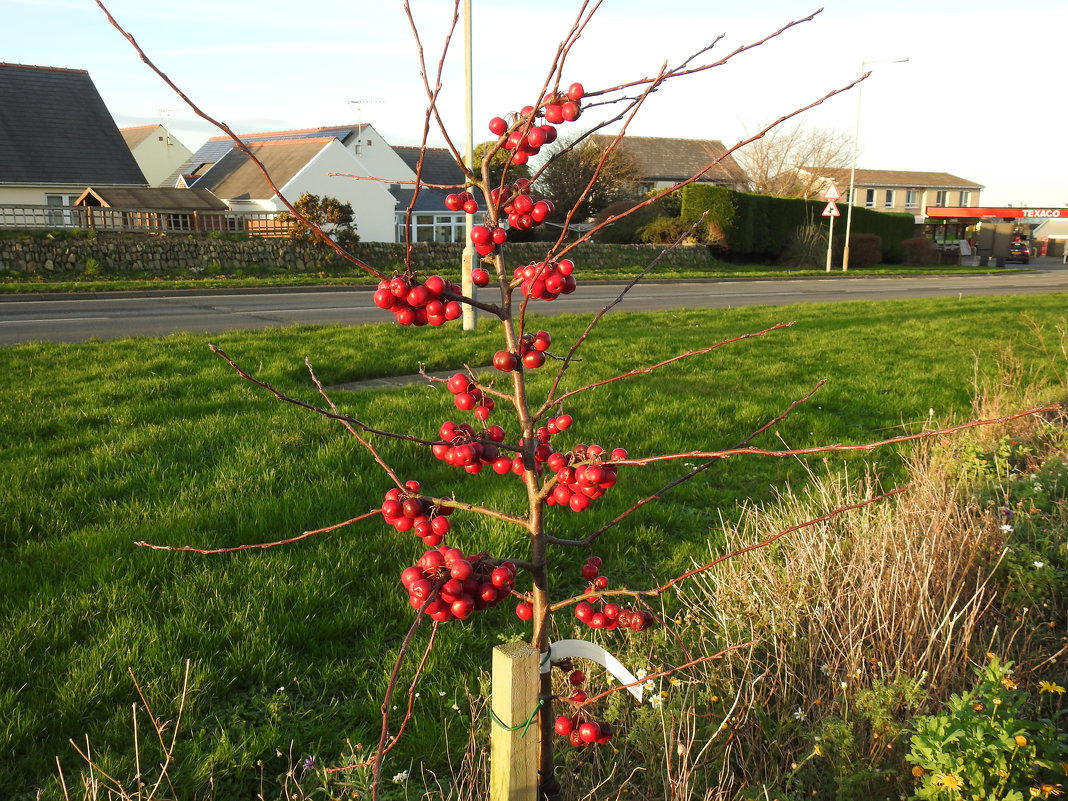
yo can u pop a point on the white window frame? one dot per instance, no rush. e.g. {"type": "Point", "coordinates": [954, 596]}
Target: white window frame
{"type": "Point", "coordinates": [888, 199]}
{"type": "Point", "coordinates": [941, 197]}
{"type": "Point", "coordinates": [965, 198]}
{"type": "Point", "coordinates": [912, 198]}
{"type": "Point", "coordinates": [869, 199]}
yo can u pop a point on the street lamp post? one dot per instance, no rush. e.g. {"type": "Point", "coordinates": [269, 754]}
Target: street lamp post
{"type": "Point", "coordinates": [467, 286]}
{"type": "Point", "coordinates": [851, 200]}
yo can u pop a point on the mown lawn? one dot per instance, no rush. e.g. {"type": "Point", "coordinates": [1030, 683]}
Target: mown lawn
{"type": "Point", "coordinates": [109, 443]}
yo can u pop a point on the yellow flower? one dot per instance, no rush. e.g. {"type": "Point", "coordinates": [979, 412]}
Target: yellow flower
{"type": "Point", "coordinates": [1051, 789]}
{"type": "Point", "coordinates": [995, 701]}
{"type": "Point", "coordinates": [818, 750]}
{"type": "Point", "coordinates": [1020, 740]}
{"type": "Point", "coordinates": [950, 781]}
{"type": "Point", "coordinates": [978, 707]}
{"type": "Point", "coordinates": [1050, 687]}
{"type": "Point", "coordinates": [674, 682]}
{"type": "Point", "coordinates": [1008, 683]}
{"type": "Point", "coordinates": [917, 771]}
{"type": "Point", "coordinates": [1034, 791]}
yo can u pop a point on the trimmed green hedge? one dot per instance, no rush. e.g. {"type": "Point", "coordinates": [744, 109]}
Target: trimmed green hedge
{"type": "Point", "coordinates": [760, 226]}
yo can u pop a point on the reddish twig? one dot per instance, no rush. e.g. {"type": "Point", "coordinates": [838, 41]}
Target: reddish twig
{"type": "Point", "coordinates": [838, 448]}
{"type": "Point", "coordinates": [661, 674]}
{"type": "Point", "coordinates": [259, 545]}
{"type": "Point", "coordinates": [755, 546]}
{"type": "Point", "coordinates": [244, 148]}
{"type": "Point", "coordinates": [658, 365]}
{"type": "Point", "coordinates": [589, 540]}
{"type": "Point", "coordinates": [570, 357]}
{"type": "Point", "coordinates": [352, 429]}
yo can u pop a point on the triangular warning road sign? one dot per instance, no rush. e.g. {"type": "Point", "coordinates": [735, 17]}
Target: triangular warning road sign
{"type": "Point", "coordinates": [831, 192]}
{"type": "Point", "coordinates": [831, 210]}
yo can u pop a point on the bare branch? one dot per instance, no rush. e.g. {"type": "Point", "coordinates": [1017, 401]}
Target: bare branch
{"type": "Point", "coordinates": [838, 448]}
{"type": "Point", "coordinates": [222, 126]}
{"type": "Point", "coordinates": [259, 545]}
{"type": "Point", "coordinates": [658, 365]}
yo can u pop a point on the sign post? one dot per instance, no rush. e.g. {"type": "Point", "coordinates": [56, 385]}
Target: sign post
{"type": "Point", "coordinates": [831, 194]}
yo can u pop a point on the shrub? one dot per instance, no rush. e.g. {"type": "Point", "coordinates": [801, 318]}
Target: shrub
{"type": "Point", "coordinates": [865, 250]}
{"type": "Point", "coordinates": [919, 252]}
{"type": "Point", "coordinates": [663, 230]}
{"type": "Point", "coordinates": [807, 247]}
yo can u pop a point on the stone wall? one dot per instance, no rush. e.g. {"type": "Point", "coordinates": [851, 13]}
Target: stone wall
{"type": "Point", "coordinates": [170, 255]}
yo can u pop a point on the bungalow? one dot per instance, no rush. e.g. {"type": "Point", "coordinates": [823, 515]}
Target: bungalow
{"type": "Point", "coordinates": [663, 162]}
{"type": "Point", "coordinates": [58, 138]}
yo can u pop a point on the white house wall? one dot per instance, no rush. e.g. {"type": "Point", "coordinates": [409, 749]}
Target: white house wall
{"type": "Point", "coordinates": [35, 195]}
{"type": "Point", "coordinates": [158, 155]}
{"type": "Point", "coordinates": [380, 159]}
{"type": "Point", "coordinates": [372, 204]}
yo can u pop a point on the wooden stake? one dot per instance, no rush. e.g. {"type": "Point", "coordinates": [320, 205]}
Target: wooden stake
{"type": "Point", "coordinates": [514, 739]}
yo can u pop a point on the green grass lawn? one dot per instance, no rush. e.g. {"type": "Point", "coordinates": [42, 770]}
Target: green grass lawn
{"type": "Point", "coordinates": [107, 443]}
{"type": "Point", "coordinates": [12, 283]}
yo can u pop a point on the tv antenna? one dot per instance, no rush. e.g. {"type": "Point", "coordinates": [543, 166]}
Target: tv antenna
{"type": "Point", "coordinates": [165, 116]}
{"type": "Point", "coordinates": [358, 105]}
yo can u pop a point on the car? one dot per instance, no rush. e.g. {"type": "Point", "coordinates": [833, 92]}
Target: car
{"type": "Point", "coordinates": [1019, 251]}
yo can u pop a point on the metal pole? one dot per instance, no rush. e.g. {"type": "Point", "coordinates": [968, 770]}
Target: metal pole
{"type": "Point", "coordinates": [853, 160]}
{"type": "Point", "coordinates": [852, 176]}
{"type": "Point", "coordinates": [470, 315]}
{"type": "Point", "coordinates": [830, 243]}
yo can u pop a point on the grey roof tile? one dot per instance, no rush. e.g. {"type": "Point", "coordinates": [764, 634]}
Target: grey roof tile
{"type": "Point", "coordinates": [55, 129]}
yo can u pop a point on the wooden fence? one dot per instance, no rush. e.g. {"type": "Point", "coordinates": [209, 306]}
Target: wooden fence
{"type": "Point", "coordinates": [142, 221]}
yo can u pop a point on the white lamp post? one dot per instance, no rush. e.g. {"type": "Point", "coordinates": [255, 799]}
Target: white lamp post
{"type": "Point", "coordinates": [467, 286]}
{"type": "Point", "coordinates": [853, 161]}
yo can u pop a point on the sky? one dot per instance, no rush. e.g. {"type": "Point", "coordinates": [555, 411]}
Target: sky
{"type": "Point", "coordinates": [981, 95]}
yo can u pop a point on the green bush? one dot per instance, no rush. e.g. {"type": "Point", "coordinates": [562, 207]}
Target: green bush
{"type": "Point", "coordinates": [865, 250]}
{"type": "Point", "coordinates": [919, 252]}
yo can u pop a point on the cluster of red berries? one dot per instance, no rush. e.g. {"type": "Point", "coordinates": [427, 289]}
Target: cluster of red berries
{"type": "Point", "coordinates": [546, 280]}
{"type": "Point", "coordinates": [418, 304]}
{"type": "Point", "coordinates": [579, 730]}
{"type": "Point", "coordinates": [458, 584]}
{"type": "Point", "coordinates": [586, 481]}
{"type": "Point", "coordinates": [403, 510]}
{"type": "Point", "coordinates": [467, 397]}
{"type": "Point", "coordinates": [524, 137]}
{"type": "Point", "coordinates": [610, 615]}
{"type": "Point", "coordinates": [532, 348]}
{"type": "Point", "coordinates": [581, 733]}
{"type": "Point", "coordinates": [461, 201]}
{"type": "Point", "coordinates": [468, 449]}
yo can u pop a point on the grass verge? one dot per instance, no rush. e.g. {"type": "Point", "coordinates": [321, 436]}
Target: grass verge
{"type": "Point", "coordinates": [109, 443]}
{"type": "Point", "coordinates": [16, 284]}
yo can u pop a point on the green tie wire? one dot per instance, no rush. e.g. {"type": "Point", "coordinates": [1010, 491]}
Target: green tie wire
{"type": "Point", "coordinates": [525, 725]}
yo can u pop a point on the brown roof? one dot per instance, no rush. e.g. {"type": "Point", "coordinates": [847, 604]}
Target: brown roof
{"type": "Point", "coordinates": [151, 199]}
{"type": "Point", "coordinates": [903, 178]}
{"type": "Point", "coordinates": [137, 134]}
{"type": "Point", "coordinates": [236, 176]}
{"type": "Point", "coordinates": [664, 159]}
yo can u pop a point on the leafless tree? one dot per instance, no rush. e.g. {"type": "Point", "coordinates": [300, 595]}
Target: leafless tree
{"type": "Point", "coordinates": [789, 160]}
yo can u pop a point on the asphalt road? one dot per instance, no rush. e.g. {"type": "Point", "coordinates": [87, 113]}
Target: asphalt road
{"type": "Point", "coordinates": [76, 318]}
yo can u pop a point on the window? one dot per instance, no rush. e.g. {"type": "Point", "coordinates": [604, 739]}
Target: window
{"type": "Point", "coordinates": [869, 199]}
{"type": "Point", "coordinates": [60, 216]}
{"type": "Point", "coordinates": [888, 201]}
{"type": "Point", "coordinates": [912, 199]}
{"type": "Point", "coordinates": [965, 198]}
{"type": "Point", "coordinates": [941, 197]}
{"type": "Point", "coordinates": [433, 227]}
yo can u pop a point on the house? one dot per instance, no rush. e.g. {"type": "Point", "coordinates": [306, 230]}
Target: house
{"type": "Point", "coordinates": [155, 149]}
{"type": "Point", "coordinates": [315, 160]}
{"type": "Point", "coordinates": [901, 191]}
{"type": "Point", "coordinates": [56, 138]}
{"type": "Point", "coordinates": [431, 220]}
{"type": "Point", "coordinates": [664, 162]}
